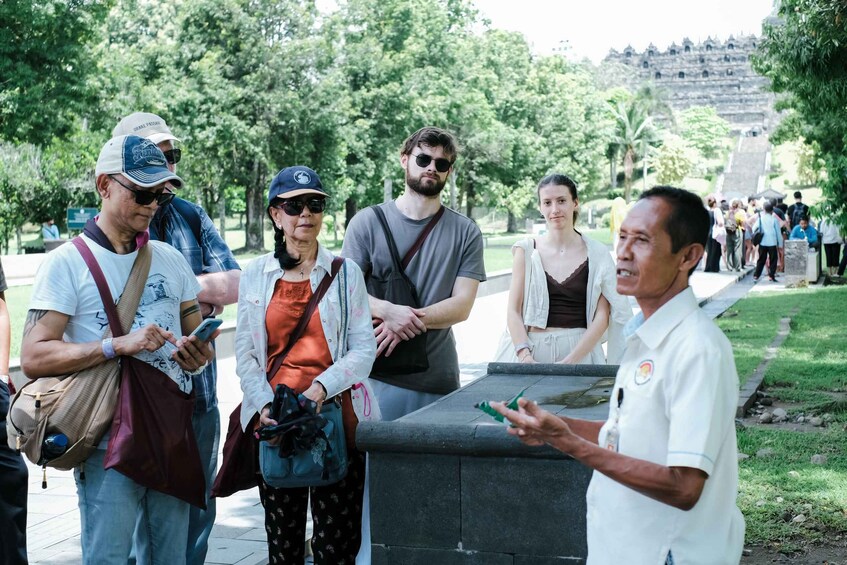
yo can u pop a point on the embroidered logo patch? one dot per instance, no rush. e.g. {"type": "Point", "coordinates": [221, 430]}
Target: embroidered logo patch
{"type": "Point", "coordinates": [644, 372]}
{"type": "Point", "coordinates": [302, 177]}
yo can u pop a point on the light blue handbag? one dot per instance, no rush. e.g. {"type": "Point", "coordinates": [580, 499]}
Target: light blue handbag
{"type": "Point", "coordinates": [324, 464]}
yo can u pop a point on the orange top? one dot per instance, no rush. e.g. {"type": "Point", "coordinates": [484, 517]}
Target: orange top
{"type": "Point", "coordinates": [310, 356]}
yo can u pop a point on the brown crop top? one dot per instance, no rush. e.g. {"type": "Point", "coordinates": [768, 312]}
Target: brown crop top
{"type": "Point", "coordinates": [567, 299]}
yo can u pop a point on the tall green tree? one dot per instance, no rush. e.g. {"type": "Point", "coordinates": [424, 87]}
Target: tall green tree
{"type": "Point", "coordinates": [674, 160]}
{"type": "Point", "coordinates": [45, 66]}
{"type": "Point", "coordinates": [703, 129]}
{"type": "Point", "coordinates": [804, 54]}
{"type": "Point", "coordinates": [399, 62]}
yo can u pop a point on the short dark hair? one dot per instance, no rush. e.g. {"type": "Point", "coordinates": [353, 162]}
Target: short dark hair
{"type": "Point", "coordinates": [797, 194]}
{"type": "Point", "coordinates": [688, 221]}
{"type": "Point", "coordinates": [558, 179]}
{"type": "Point", "coordinates": [434, 137]}
{"type": "Point", "coordinates": [768, 206]}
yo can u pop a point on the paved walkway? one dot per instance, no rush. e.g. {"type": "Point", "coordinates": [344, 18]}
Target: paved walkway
{"type": "Point", "coordinates": [239, 536]}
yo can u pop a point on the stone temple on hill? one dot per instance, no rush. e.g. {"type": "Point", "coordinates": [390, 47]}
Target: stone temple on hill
{"type": "Point", "coordinates": [712, 73]}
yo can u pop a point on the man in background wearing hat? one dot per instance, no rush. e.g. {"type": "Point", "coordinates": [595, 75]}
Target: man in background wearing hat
{"type": "Point", "coordinates": [64, 329]}
{"type": "Point", "coordinates": [189, 229]}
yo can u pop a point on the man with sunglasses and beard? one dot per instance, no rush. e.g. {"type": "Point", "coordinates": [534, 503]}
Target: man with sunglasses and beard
{"type": "Point", "coordinates": [188, 228]}
{"type": "Point", "coordinates": [445, 271]}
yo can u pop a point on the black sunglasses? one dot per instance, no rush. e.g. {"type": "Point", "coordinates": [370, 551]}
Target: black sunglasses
{"type": "Point", "coordinates": [295, 207]}
{"type": "Point", "coordinates": [173, 155]}
{"type": "Point", "coordinates": [441, 165]}
{"type": "Point", "coordinates": [145, 197]}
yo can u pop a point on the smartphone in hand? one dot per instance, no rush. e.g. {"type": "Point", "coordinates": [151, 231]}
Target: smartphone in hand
{"type": "Point", "coordinates": [206, 328]}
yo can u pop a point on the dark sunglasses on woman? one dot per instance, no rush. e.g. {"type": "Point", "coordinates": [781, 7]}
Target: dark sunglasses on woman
{"type": "Point", "coordinates": [145, 197]}
{"type": "Point", "coordinates": [441, 165]}
{"type": "Point", "coordinates": [295, 207]}
{"type": "Point", "coordinates": [173, 155]}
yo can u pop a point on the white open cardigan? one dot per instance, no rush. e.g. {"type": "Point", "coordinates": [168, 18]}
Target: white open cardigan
{"type": "Point", "coordinates": [602, 279]}
{"type": "Point", "coordinates": [346, 320]}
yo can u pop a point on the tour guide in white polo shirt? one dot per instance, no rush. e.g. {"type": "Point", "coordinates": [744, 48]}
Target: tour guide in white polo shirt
{"type": "Point", "coordinates": [665, 462]}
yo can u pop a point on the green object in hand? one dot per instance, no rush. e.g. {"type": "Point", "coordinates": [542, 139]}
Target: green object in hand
{"type": "Point", "coordinates": [511, 405]}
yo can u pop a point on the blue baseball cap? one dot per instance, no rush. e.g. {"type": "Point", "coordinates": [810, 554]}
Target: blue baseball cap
{"type": "Point", "coordinates": [295, 181]}
{"type": "Point", "coordinates": [136, 158]}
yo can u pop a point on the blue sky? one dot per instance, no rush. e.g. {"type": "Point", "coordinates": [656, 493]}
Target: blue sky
{"type": "Point", "coordinates": [591, 27]}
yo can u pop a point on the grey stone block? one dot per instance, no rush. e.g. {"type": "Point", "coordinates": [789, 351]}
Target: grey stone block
{"type": "Point", "coordinates": [535, 560]}
{"type": "Point", "coordinates": [524, 506]}
{"type": "Point", "coordinates": [420, 556]}
{"type": "Point", "coordinates": [414, 500]}
{"type": "Point", "coordinates": [551, 369]}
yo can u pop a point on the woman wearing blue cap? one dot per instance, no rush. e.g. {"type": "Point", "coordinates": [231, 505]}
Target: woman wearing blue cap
{"type": "Point", "coordinates": [331, 357]}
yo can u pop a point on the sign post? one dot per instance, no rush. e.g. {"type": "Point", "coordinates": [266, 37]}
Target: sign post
{"type": "Point", "coordinates": [78, 216]}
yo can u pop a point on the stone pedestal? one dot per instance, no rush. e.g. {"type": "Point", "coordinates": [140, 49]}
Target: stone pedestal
{"type": "Point", "coordinates": [796, 259]}
{"type": "Point", "coordinates": [813, 266]}
{"type": "Point", "coordinates": [450, 486]}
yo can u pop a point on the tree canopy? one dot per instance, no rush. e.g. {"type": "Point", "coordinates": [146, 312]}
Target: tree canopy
{"type": "Point", "coordinates": [804, 53]}
{"type": "Point", "coordinates": [252, 86]}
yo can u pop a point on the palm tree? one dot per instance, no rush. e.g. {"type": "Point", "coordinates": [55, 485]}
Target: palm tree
{"type": "Point", "coordinates": [633, 130]}
{"type": "Point", "coordinates": [613, 155]}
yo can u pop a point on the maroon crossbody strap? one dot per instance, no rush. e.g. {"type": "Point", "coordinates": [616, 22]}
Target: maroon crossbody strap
{"type": "Point", "coordinates": [102, 285]}
{"type": "Point", "coordinates": [300, 328]}
{"type": "Point", "coordinates": [421, 238]}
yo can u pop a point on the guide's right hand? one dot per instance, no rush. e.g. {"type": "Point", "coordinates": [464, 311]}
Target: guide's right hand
{"type": "Point", "coordinates": [149, 338]}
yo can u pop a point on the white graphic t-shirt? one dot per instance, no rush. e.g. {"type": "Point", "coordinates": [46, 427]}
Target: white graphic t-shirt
{"type": "Point", "coordinates": [64, 284]}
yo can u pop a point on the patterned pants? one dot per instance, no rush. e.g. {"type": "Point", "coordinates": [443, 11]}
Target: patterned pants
{"type": "Point", "coordinates": [336, 516]}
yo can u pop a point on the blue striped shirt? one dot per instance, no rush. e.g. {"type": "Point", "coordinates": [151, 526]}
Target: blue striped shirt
{"type": "Point", "coordinates": [210, 255]}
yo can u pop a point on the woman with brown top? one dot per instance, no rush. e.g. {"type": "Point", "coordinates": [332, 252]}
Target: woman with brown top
{"type": "Point", "coordinates": [562, 299]}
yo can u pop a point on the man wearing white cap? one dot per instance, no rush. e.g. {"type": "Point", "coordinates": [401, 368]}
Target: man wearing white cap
{"type": "Point", "coordinates": [189, 229]}
{"type": "Point", "coordinates": [64, 330]}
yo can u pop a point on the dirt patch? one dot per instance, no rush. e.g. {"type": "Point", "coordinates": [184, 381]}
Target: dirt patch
{"type": "Point", "coordinates": [834, 553]}
{"type": "Point", "coordinates": [794, 411]}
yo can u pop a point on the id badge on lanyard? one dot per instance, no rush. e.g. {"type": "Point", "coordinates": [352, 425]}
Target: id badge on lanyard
{"type": "Point", "coordinates": [613, 434]}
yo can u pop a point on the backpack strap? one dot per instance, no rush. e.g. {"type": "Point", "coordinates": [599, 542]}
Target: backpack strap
{"type": "Point", "coordinates": [120, 317]}
{"type": "Point", "coordinates": [421, 238]}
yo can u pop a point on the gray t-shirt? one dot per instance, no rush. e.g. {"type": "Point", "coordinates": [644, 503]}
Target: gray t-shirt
{"type": "Point", "coordinates": [3, 286]}
{"type": "Point", "coordinates": [453, 249]}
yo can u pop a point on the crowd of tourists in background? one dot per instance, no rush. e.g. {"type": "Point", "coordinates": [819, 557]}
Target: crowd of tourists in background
{"type": "Point", "coordinates": [734, 244]}
{"type": "Point", "coordinates": [367, 335]}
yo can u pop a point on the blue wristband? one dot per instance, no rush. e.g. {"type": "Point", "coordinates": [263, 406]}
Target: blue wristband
{"type": "Point", "coordinates": [108, 349]}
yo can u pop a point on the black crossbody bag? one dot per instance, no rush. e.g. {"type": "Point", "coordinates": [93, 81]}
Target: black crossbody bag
{"type": "Point", "coordinates": [408, 356]}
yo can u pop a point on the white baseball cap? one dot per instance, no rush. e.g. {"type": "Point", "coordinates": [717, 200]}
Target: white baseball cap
{"type": "Point", "coordinates": [136, 158]}
{"type": "Point", "coordinates": [145, 124]}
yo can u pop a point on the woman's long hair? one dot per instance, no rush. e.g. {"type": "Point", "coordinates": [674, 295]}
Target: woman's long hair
{"type": "Point", "coordinates": [286, 261]}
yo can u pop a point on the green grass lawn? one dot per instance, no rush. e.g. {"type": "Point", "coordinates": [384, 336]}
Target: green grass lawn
{"type": "Point", "coordinates": [751, 326]}
{"type": "Point", "coordinates": [819, 492]}
{"type": "Point", "coordinates": [810, 371]}
{"type": "Point", "coordinates": [17, 300]}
